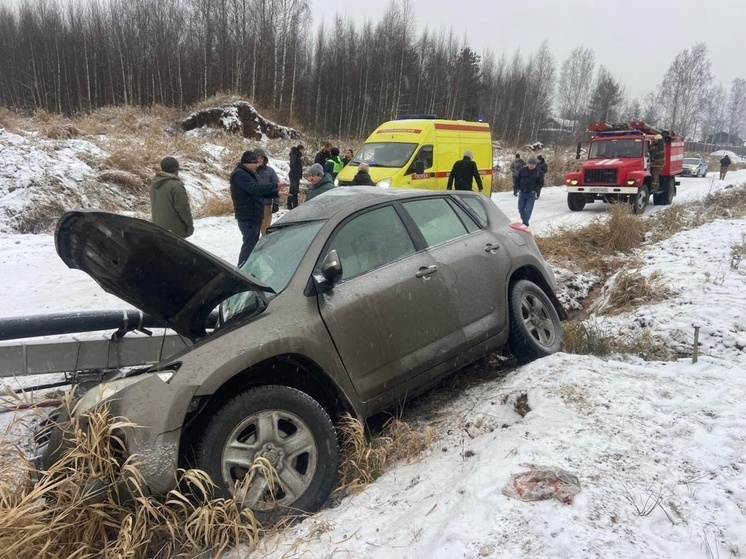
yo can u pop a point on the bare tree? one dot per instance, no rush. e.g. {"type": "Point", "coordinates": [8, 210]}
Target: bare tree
{"type": "Point", "coordinates": [715, 114]}
{"type": "Point", "coordinates": [574, 86]}
{"type": "Point", "coordinates": [737, 108]}
{"type": "Point", "coordinates": [685, 89]}
{"type": "Point", "coordinates": [606, 98]}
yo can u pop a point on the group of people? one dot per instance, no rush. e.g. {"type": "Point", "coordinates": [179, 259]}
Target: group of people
{"type": "Point", "coordinates": [528, 180]}
{"type": "Point", "coordinates": [255, 191]}
{"type": "Point", "coordinates": [331, 163]}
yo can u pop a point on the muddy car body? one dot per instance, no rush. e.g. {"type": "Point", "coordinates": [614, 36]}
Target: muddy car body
{"type": "Point", "coordinates": [352, 303]}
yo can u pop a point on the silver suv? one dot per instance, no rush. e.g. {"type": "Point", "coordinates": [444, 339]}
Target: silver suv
{"type": "Point", "coordinates": [351, 303]}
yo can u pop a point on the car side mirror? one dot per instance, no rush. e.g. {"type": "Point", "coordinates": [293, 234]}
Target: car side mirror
{"type": "Point", "coordinates": [331, 270]}
{"type": "Point", "coordinates": [419, 167]}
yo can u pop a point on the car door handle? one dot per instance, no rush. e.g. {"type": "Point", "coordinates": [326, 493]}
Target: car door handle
{"type": "Point", "coordinates": [423, 272]}
{"type": "Point", "coordinates": [491, 248]}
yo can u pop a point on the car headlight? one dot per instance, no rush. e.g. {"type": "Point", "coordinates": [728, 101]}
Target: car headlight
{"type": "Point", "coordinates": [108, 390]}
{"type": "Point", "coordinates": [384, 183]}
{"type": "Point", "coordinates": [336, 182]}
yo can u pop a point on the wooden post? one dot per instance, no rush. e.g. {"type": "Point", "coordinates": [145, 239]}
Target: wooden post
{"type": "Point", "coordinates": [695, 352]}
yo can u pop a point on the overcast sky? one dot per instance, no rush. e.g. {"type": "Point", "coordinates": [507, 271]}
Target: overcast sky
{"type": "Point", "coordinates": [637, 40]}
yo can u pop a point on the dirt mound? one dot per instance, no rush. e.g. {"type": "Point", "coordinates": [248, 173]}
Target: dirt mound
{"type": "Point", "coordinates": [239, 117]}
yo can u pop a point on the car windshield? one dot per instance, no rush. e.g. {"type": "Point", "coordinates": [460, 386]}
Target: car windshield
{"type": "Point", "coordinates": [273, 262]}
{"type": "Point", "coordinates": [384, 154]}
{"type": "Point", "coordinates": [605, 149]}
{"type": "Point", "coordinates": [690, 161]}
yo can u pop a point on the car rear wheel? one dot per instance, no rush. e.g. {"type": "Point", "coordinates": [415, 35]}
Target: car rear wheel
{"type": "Point", "coordinates": [287, 428]}
{"type": "Point", "coordinates": [535, 328]}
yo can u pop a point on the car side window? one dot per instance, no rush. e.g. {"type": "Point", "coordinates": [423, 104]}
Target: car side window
{"type": "Point", "coordinates": [476, 205]}
{"type": "Point", "coordinates": [438, 221]}
{"type": "Point", "coordinates": [371, 240]}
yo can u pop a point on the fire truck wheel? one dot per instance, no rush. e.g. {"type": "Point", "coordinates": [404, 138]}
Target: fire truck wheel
{"type": "Point", "coordinates": [665, 197]}
{"type": "Point", "coordinates": [640, 200]}
{"type": "Point", "coordinates": [576, 202]}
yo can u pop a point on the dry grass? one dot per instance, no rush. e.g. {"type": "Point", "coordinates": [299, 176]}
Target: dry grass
{"type": "Point", "coordinates": [40, 217]}
{"type": "Point", "coordinates": [92, 502]}
{"type": "Point", "coordinates": [364, 460]}
{"type": "Point", "coordinates": [131, 183]}
{"type": "Point", "coordinates": [216, 206]}
{"type": "Point", "coordinates": [77, 509]}
{"type": "Point", "coordinates": [588, 337]}
{"type": "Point", "coordinates": [631, 289]}
{"type": "Point", "coordinates": [601, 246]}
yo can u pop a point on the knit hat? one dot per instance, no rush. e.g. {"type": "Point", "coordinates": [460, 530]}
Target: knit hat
{"type": "Point", "coordinates": [532, 160]}
{"type": "Point", "coordinates": [249, 157]}
{"type": "Point", "coordinates": [316, 169]}
{"type": "Point", "coordinates": [335, 152]}
{"type": "Point", "coordinates": [364, 167]}
{"type": "Point", "coordinates": [169, 165]}
{"type": "Point", "coordinates": [517, 155]}
{"type": "Point", "coordinates": [469, 154]}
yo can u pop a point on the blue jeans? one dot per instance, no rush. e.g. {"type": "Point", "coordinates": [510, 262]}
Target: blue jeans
{"type": "Point", "coordinates": [526, 205]}
{"type": "Point", "coordinates": [250, 231]}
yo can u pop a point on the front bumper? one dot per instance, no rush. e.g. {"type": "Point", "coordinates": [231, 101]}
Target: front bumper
{"type": "Point", "coordinates": [155, 408]}
{"type": "Point", "coordinates": [592, 189]}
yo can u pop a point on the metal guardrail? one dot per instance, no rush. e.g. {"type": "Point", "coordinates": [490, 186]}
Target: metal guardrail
{"type": "Point", "coordinates": [21, 356]}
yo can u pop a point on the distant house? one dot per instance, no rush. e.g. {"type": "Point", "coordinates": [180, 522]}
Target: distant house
{"type": "Point", "coordinates": [554, 130]}
{"type": "Point", "coordinates": [724, 139]}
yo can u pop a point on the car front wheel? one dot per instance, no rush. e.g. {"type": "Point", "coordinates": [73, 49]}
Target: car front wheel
{"type": "Point", "coordinates": [291, 432]}
{"type": "Point", "coordinates": [535, 328]}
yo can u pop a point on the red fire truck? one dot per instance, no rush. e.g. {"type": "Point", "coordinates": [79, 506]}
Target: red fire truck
{"type": "Point", "coordinates": [618, 167]}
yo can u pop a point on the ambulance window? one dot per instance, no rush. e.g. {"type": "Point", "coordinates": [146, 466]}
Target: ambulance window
{"type": "Point", "coordinates": [425, 155]}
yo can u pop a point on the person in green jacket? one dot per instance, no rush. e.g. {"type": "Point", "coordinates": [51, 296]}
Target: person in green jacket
{"type": "Point", "coordinates": [169, 202]}
{"type": "Point", "coordinates": [320, 181]}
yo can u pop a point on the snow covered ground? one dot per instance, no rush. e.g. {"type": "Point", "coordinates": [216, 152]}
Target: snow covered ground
{"type": "Point", "coordinates": [659, 447]}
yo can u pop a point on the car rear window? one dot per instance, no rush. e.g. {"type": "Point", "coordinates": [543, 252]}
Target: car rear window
{"type": "Point", "coordinates": [439, 221]}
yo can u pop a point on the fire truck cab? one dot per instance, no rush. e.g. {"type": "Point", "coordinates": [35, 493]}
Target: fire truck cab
{"type": "Point", "coordinates": [618, 167]}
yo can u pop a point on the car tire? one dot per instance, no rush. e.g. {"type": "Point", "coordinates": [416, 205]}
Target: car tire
{"type": "Point", "coordinates": [288, 428]}
{"type": "Point", "coordinates": [535, 327]}
{"type": "Point", "coordinates": [576, 202]}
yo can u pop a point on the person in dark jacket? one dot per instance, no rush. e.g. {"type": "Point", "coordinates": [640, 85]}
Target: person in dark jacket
{"type": "Point", "coordinates": [362, 177]}
{"type": "Point", "coordinates": [248, 196]}
{"type": "Point", "coordinates": [463, 172]}
{"type": "Point", "coordinates": [541, 164]}
{"type": "Point", "coordinates": [266, 174]}
{"type": "Point", "coordinates": [349, 154]}
{"type": "Point", "coordinates": [324, 154]}
{"type": "Point", "coordinates": [724, 164]}
{"type": "Point", "coordinates": [528, 184]}
{"type": "Point", "coordinates": [334, 164]}
{"type": "Point", "coordinates": [320, 181]}
{"type": "Point", "coordinates": [294, 175]}
{"type": "Point", "coordinates": [515, 167]}
{"type": "Point", "coordinates": [169, 203]}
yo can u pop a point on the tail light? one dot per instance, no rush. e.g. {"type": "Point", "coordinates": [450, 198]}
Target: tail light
{"type": "Point", "coordinates": [518, 226]}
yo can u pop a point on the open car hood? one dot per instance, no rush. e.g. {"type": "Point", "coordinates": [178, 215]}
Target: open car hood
{"type": "Point", "coordinates": [166, 277]}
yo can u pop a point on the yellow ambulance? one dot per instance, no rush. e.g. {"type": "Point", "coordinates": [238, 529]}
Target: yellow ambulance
{"type": "Point", "coordinates": [420, 153]}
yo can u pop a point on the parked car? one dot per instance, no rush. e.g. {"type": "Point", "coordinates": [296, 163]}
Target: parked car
{"type": "Point", "coordinates": [351, 303]}
{"type": "Point", "coordinates": [694, 167]}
